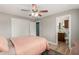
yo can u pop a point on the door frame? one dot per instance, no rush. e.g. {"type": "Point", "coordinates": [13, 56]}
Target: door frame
{"type": "Point", "coordinates": [69, 29]}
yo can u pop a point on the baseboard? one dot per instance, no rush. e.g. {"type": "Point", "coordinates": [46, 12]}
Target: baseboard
{"type": "Point", "coordinates": [52, 43]}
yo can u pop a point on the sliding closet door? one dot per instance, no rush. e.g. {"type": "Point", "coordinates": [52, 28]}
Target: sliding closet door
{"type": "Point", "coordinates": [20, 27]}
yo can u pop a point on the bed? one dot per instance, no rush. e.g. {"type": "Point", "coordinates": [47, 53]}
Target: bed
{"type": "Point", "coordinates": [75, 47]}
{"type": "Point", "coordinates": [30, 45]}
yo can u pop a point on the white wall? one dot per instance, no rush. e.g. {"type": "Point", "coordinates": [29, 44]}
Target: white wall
{"type": "Point", "coordinates": [5, 27]}
{"type": "Point", "coordinates": [48, 28]}
{"type": "Point", "coordinates": [48, 25]}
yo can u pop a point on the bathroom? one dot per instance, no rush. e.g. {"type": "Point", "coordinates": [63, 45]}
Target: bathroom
{"type": "Point", "coordinates": [63, 30]}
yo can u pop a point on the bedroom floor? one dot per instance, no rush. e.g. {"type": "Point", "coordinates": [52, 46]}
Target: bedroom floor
{"type": "Point", "coordinates": [61, 48]}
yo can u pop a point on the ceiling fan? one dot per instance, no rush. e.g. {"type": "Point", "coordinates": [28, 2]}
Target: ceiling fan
{"type": "Point", "coordinates": [35, 11]}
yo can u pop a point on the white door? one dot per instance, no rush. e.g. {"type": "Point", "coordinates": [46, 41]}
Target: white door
{"type": "Point", "coordinates": [33, 28]}
{"type": "Point", "coordinates": [20, 27]}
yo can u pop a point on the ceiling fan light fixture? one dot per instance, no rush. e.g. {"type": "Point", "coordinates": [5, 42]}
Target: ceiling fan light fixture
{"type": "Point", "coordinates": [34, 14]}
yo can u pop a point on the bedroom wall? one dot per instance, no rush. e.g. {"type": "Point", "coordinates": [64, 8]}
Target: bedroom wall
{"type": "Point", "coordinates": [48, 25]}
{"type": "Point", "coordinates": [5, 24]}
{"type": "Point", "coordinates": [48, 28]}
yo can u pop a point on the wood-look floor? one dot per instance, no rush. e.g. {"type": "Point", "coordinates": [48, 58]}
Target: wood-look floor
{"type": "Point", "coordinates": [61, 48]}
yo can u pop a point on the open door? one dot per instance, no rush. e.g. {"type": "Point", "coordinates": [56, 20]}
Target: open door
{"type": "Point", "coordinates": [63, 30]}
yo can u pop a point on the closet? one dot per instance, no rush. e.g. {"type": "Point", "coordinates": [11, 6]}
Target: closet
{"type": "Point", "coordinates": [22, 27]}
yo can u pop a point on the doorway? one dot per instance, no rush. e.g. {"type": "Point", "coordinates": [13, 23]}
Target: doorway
{"type": "Point", "coordinates": [63, 30]}
{"type": "Point", "coordinates": [37, 28]}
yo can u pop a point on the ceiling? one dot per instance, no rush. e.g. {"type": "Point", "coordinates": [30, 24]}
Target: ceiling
{"type": "Point", "coordinates": [15, 9]}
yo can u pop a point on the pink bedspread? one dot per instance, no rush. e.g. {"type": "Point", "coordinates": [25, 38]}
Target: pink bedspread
{"type": "Point", "coordinates": [30, 45]}
{"type": "Point", "coordinates": [75, 47]}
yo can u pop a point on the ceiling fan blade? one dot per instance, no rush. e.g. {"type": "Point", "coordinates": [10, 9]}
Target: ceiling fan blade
{"type": "Point", "coordinates": [44, 11]}
{"type": "Point", "coordinates": [39, 15]}
{"type": "Point", "coordinates": [30, 14]}
{"type": "Point", "coordinates": [25, 10]}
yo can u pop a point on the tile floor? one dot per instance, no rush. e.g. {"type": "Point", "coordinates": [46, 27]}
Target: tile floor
{"type": "Point", "coordinates": [61, 48]}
